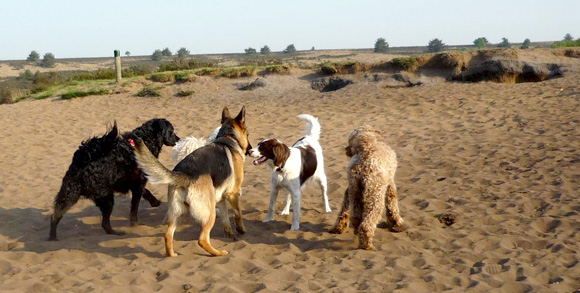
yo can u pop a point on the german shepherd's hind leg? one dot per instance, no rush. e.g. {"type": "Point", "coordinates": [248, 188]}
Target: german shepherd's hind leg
{"type": "Point", "coordinates": [204, 240]}
{"type": "Point", "coordinates": [175, 210]}
{"type": "Point", "coordinates": [105, 204]}
{"type": "Point", "coordinates": [235, 203]}
{"type": "Point", "coordinates": [65, 199]}
{"type": "Point", "coordinates": [225, 219]}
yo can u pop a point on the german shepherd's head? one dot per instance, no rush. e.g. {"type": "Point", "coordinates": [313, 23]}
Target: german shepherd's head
{"type": "Point", "coordinates": [235, 129]}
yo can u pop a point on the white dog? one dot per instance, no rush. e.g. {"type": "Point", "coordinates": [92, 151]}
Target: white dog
{"type": "Point", "coordinates": [189, 144]}
{"type": "Point", "coordinates": [293, 168]}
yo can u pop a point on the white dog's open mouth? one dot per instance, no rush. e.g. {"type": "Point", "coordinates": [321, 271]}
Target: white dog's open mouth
{"type": "Point", "coordinates": [260, 160]}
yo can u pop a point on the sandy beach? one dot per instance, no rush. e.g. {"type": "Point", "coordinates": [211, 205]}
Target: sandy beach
{"type": "Point", "coordinates": [502, 159]}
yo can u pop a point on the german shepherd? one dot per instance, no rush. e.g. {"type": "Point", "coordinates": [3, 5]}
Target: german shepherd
{"type": "Point", "coordinates": [205, 178]}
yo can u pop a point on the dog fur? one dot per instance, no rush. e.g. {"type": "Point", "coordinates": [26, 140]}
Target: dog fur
{"type": "Point", "coordinates": [104, 165]}
{"type": "Point", "coordinates": [371, 187]}
{"type": "Point", "coordinates": [293, 168]}
{"type": "Point", "coordinates": [208, 177]}
{"type": "Point", "coordinates": [189, 144]}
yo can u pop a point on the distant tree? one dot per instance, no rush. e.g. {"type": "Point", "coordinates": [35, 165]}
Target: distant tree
{"type": "Point", "coordinates": [166, 52]}
{"type": "Point", "coordinates": [265, 50]}
{"type": "Point", "coordinates": [504, 43]}
{"type": "Point", "coordinates": [435, 45]}
{"type": "Point", "coordinates": [312, 49]}
{"type": "Point", "coordinates": [568, 38]}
{"type": "Point", "coordinates": [127, 53]}
{"type": "Point", "coordinates": [156, 56]}
{"type": "Point", "coordinates": [250, 51]}
{"type": "Point", "coordinates": [381, 46]}
{"type": "Point", "coordinates": [480, 42]}
{"type": "Point", "coordinates": [182, 53]}
{"type": "Point", "coordinates": [290, 49]}
{"type": "Point", "coordinates": [34, 56]}
{"type": "Point", "coordinates": [525, 44]}
{"type": "Point", "coordinates": [48, 60]}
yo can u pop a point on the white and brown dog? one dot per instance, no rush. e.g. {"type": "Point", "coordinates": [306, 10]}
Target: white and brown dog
{"type": "Point", "coordinates": [293, 168]}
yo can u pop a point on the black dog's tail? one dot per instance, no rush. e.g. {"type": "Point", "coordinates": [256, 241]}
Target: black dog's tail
{"type": "Point", "coordinates": [154, 170]}
{"type": "Point", "coordinates": [96, 147]}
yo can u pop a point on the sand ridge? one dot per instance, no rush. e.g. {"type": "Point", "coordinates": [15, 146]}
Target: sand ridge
{"type": "Point", "coordinates": [502, 158]}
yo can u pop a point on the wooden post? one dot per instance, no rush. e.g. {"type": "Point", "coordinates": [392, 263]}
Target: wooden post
{"type": "Point", "coordinates": [118, 76]}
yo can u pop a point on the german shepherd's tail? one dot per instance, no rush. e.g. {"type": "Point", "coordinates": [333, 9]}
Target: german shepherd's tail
{"type": "Point", "coordinates": [154, 170]}
{"type": "Point", "coordinates": [312, 125]}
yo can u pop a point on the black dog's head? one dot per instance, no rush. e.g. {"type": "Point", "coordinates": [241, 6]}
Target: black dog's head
{"type": "Point", "coordinates": [166, 131]}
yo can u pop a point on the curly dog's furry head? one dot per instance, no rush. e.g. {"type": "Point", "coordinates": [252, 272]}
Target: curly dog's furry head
{"type": "Point", "coordinates": [361, 139]}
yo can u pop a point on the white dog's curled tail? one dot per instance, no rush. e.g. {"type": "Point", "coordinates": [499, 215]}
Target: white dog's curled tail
{"type": "Point", "coordinates": [312, 125]}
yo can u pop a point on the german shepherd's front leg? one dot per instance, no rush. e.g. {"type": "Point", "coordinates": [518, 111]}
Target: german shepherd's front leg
{"type": "Point", "coordinates": [235, 203]}
{"type": "Point", "coordinates": [225, 219]}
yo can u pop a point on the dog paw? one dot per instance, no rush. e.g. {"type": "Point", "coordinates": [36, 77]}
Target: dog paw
{"type": "Point", "coordinates": [241, 230]}
{"type": "Point", "coordinates": [118, 233]}
{"type": "Point", "coordinates": [267, 219]}
{"type": "Point", "coordinates": [171, 254]}
{"type": "Point", "coordinates": [327, 210]}
{"type": "Point", "coordinates": [336, 230]}
{"type": "Point", "coordinates": [230, 234]}
{"type": "Point", "coordinates": [295, 227]}
{"type": "Point", "coordinates": [221, 253]}
{"type": "Point", "coordinates": [399, 228]}
{"type": "Point", "coordinates": [367, 247]}
{"type": "Point", "coordinates": [52, 239]}
{"type": "Point", "coordinates": [155, 203]}
{"type": "Point", "coordinates": [284, 212]}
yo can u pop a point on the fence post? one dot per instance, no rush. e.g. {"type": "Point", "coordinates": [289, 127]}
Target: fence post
{"type": "Point", "coordinates": [118, 76]}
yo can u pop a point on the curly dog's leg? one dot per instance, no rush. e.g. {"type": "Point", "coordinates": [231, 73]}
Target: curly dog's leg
{"type": "Point", "coordinates": [371, 214]}
{"type": "Point", "coordinates": [105, 204]}
{"type": "Point", "coordinates": [392, 207]}
{"type": "Point", "coordinates": [343, 216]}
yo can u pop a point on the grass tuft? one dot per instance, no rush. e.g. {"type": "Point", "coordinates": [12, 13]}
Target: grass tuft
{"type": "Point", "coordinates": [150, 91]}
{"type": "Point", "coordinates": [77, 94]}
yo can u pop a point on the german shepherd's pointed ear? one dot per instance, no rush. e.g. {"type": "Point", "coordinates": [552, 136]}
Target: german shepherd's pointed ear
{"type": "Point", "coordinates": [225, 114]}
{"type": "Point", "coordinates": [242, 115]}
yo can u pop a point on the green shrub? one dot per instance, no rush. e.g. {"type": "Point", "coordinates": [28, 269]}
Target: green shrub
{"type": "Point", "coordinates": [328, 68]}
{"type": "Point", "coordinates": [156, 56]}
{"type": "Point", "coordinates": [161, 77]}
{"type": "Point", "coordinates": [525, 44]}
{"type": "Point", "coordinates": [480, 42]}
{"type": "Point", "coordinates": [290, 49]}
{"type": "Point", "coordinates": [504, 43]}
{"type": "Point", "coordinates": [48, 60]}
{"type": "Point", "coordinates": [182, 53]}
{"type": "Point", "coordinates": [435, 45]}
{"type": "Point", "coordinates": [33, 57]}
{"type": "Point", "coordinates": [184, 93]}
{"type": "Point", "coordinates": [9, 94]}
{"type": "Point", "coordinates": [76, 94]}
{"type": "Point", "coordinates": [166, 52]}
{"type": "Point", "coordinates": [409, 63]}
{"type": "Point", "coordinates": [381, 46]}
{"type": "Point", "coordinates": [26, 76]}
{"type": "Point", "coordinates": [250, 51]}
{"type": "Point", "coordinates": [209, 72]}
{"type": "Point", "coordinates": [181, 77]}
{"type": "Point", "coordinates": [238, 72]}
{"type": "Point", "coordinates": [568, 37]}
{"type": "Point", "coordinates": [278, 69]}
{"type": "Point", "coordinates": [183, 64]}
{"type": "Point", "coordinates": [567, 44]}
{"type": "Point", "coordinates": [265, 50]}
{"type": "Point", "coordinates": [150, 91]}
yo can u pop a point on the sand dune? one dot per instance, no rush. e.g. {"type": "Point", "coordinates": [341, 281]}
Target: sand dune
{"type": "Point", "coordinates": [502, 158]}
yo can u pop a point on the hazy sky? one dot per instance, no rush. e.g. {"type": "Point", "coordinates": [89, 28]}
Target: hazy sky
{"type": "Point", "coordinates": [96, 28]}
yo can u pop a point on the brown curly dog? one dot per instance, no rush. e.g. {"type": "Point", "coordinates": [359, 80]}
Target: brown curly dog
{"type": "Point", "coordinates": [371, 186]}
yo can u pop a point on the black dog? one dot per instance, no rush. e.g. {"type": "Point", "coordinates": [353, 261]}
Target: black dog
{"type": "Point", "coordinates": [104, 165]}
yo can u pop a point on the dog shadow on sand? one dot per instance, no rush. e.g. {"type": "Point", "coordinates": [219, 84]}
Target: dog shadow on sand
{"type": "Point", "coordinates": [27, 229]}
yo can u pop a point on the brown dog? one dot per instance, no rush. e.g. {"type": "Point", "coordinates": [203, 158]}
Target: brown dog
{"type": "Point", "coordinates": [371, 186]}
{"type": "Point", "coordinates": [205, 178]}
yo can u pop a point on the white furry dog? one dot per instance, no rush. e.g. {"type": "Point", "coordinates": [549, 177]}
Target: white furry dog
{"type": "Point", "coordinates": [293, 168]}
{"type": "Point", "coordinates": [189, 144]}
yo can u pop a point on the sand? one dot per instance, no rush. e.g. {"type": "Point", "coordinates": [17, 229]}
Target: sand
{"type": "Point", "coordinates": [502, 159]}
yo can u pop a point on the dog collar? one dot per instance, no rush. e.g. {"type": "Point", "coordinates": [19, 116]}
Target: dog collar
{"type": "Point", "coordinates": [131, 141]}
{"type": "Point", "coordinates": [281, 168]}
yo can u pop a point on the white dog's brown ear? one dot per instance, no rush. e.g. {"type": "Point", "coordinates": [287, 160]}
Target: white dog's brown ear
{"type": "Point", "coordinates": [242, 115]}
{"type": "Point", "coordinates": [225, 114]}
{"type": "Point", "coordinates": [281, 154]}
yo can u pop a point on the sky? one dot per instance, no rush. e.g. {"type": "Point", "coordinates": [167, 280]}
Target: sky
{"type": "Point", "coordinates": [71, 29]}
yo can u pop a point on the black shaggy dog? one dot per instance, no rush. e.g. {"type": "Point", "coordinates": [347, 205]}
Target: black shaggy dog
{"type": "Point", "coordinates": [104, 165]}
